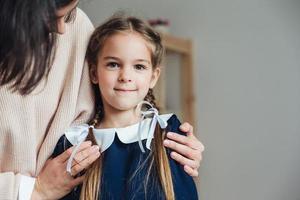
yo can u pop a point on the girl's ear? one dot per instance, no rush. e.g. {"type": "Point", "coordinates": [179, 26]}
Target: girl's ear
{"type": "Point", "coordinates": [93, 74]}
{"type": "Point", "coordinates": [155, 76]}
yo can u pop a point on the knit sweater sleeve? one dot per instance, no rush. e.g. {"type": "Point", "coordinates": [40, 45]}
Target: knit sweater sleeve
{"type": "Point", "coordinates": [31, 125]}
{"type": "Point", "coordinates": [85, 102]}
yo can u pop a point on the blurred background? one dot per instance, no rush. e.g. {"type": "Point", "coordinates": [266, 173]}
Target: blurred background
{"type": "Point", "coordinates": [246, 75]}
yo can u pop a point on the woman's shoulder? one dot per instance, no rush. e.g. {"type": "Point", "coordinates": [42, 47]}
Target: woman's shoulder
{"type": "Point", "coordinates": [83, 19]}
{"type": "Point", "coordinates": [79, 30]}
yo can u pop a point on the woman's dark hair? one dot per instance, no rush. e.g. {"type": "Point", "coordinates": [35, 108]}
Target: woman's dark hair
{"type": "Point", "coordinates": [27, 46]}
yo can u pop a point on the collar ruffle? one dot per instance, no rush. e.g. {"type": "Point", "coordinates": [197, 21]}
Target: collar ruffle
{"type": "Point", "coordinates": [105, 137]}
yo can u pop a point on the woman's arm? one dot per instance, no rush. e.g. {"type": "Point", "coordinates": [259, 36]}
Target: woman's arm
{"type": "Point", "coordinates": [187, 149]}
{"type": "Point", "coordinates": [54, 181]}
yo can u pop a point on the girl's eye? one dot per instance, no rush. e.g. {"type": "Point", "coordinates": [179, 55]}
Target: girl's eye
{"type": "Point", "coordinates": [140, 67]}
{"type": "Point", "coordinates": [112, 65]}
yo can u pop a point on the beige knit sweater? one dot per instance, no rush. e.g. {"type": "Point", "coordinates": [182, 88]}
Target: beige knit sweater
{"type": "Point", "coordinates": [30, 126]}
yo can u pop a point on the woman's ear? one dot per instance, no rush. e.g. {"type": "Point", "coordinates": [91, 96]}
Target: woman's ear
{"type": "Point", "coordinates": [93, 74]}
{"type": "Point", "coordinates": [155, 76]}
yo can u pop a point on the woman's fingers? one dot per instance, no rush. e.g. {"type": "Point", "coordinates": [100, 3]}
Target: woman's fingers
{"type": "Point", "coordinates": [191, 171]}
{"type": "Point", "coordinates": [193, 142]}
{"type": "Point", "coordinates": [182, 149]}
{"type": "Point", "coordinates": [186, 140]}
{"type": "Point", "coordinates": [187, 128]}
{"type": "Point", "coordinates": [89, 156]}
{"type": "Point", "coordinates": [187, 149]}
{"type": "Point", "coordinates": [77, 181]}
{"type": "Point", "coordinates": [83, 154]}
{"type": "Point", "coordinates": [83, 158]}
{"type": "Point", "coordinates": [187, 152]}
{"type": "Point", "coordinates": [185, 161]}
{"type": "Point", "coordinates": [66, 154]}
{"type": "Point", "coordinates": [190, 166]}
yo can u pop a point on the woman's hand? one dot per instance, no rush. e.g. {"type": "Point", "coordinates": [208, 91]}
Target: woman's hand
{"type": "Point", "coordinates": [187, 149]}
{"type": "Point", "coordinates": [54, 181]}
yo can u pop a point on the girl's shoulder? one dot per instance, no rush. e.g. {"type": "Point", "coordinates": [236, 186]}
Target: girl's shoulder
{"type": "Point", "coordinates": [174, 124]}
{"type": "Point", "coordinates": [62, 145]}
{"type": "Point", "coordinates": [70, 137]}
{"type": "Point", "coordinates": [184, 185]}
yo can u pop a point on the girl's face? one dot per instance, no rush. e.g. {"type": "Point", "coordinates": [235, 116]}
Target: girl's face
{"type": "Point", "coordinates": [124, 71]}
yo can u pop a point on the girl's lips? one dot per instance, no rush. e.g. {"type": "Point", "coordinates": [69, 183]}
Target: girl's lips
{"type": "Point", "coordinates": [124, 90]}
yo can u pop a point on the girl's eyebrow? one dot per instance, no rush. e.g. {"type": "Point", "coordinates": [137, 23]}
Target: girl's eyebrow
{"type": "Point", "coordinates": [143, 60]}
{"type": "Point", "coordinates": [111, 58]}
{"type": "Point", "coordinates": [116, 58]}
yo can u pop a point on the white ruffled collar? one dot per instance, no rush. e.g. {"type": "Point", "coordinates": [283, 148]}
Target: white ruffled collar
{"type": "Point", "coordinates": [105, 137]}
{"type": "Point", "coordinates": [134, 133]}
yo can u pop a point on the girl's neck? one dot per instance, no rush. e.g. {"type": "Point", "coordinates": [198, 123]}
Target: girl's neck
{"type": "Point", "coordinates": [118, 119]}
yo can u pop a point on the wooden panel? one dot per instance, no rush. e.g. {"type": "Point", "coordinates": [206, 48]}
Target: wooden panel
{"type": "Point", "coordinates": [184, 48]}
{"type": "Point", "coordinates": [176, 44]}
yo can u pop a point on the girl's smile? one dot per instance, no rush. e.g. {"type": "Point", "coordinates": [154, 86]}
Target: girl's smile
{"type": "Point", "coordinates": [124, 90]}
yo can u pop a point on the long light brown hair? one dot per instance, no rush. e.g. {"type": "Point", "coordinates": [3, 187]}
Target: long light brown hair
{"type": "Point", "coordinates": [157, 158]}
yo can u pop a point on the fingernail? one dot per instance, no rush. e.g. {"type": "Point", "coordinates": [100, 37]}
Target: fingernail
{"type": "Point", "coordinates": [166, 142]}
{"type": "Point", "coordinates": [169, 134]}
{"type": "Point", "coordinates": [173, 154]}
{"type": "Point", "coordinates": [95, 148]}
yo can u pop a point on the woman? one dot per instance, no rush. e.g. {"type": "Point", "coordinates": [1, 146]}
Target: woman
{"type": "Point", "coordinates": [42, 78]}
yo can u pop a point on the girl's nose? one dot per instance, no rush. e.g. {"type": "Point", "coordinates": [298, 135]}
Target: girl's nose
{"type": "Point", "coordinates": [125, 76]}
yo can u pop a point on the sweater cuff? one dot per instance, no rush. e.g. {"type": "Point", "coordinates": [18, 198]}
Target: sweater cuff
{"type": "Point", "coordinates": [26, 187]}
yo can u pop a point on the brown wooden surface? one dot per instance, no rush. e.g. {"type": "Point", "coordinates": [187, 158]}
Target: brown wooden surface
{"type": "Point", "coordinates": [185, 49]}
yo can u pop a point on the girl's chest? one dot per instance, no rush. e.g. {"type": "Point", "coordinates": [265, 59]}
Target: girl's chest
{"type": "Point", "coordinates": [126, 175]}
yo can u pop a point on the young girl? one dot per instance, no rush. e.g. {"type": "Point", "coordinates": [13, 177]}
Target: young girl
{"type": "Point", "coordinates": [124, 57]}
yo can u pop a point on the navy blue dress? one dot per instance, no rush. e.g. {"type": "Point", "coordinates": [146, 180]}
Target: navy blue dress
{"type": "Point", "coordinates": [119, 181]}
